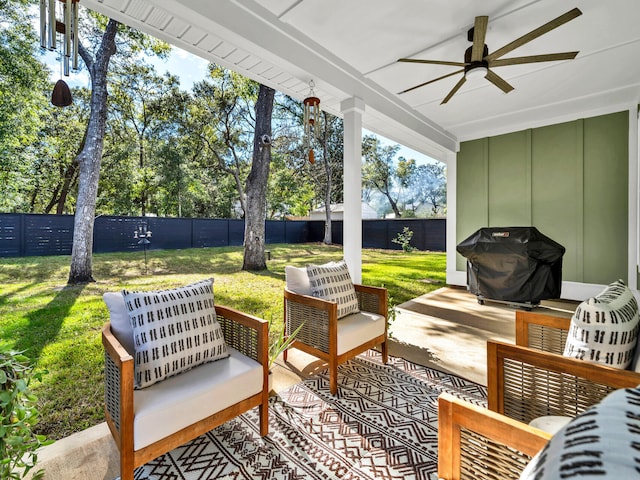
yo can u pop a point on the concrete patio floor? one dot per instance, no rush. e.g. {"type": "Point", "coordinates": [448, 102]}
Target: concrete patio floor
{"type": "Point", "coordinates": [446, 330]}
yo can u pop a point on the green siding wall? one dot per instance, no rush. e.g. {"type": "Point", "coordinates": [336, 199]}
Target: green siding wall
{"type": "Point", "coordinates": [569, 180]}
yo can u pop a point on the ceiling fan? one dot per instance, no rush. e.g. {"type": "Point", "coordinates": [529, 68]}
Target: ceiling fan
{"type": "Point", "coordinates": [478, 62]}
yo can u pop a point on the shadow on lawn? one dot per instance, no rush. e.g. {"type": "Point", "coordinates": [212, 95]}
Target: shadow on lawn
{"type": "Point", "coordinates": [44, 324]}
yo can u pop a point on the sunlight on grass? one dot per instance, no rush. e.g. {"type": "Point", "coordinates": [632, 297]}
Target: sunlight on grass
{"type": "Point", "coordinates": [60, 325]}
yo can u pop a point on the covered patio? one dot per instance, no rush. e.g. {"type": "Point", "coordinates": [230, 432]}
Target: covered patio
{"type": "Point", "coordinates": [498, 173]}
{"type": "Point", "coordinates": [583, 111]}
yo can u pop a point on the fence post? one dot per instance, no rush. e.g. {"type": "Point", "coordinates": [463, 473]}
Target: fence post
{"type": "Point", "coordinates": [22, 248]}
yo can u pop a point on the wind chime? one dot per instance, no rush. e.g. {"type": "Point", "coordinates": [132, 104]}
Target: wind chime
{"type": "Point", "coordinates": [311, 120]}
{"type": "Point", "coordinates": [50, 26]}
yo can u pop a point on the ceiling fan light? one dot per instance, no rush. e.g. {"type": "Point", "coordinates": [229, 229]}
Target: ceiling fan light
{"type": "Point", "coordinates": [476, 72]}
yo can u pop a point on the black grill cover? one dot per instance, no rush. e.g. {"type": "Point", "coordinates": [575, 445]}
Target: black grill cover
{"type": "Point", "coordinates": [516, 264]}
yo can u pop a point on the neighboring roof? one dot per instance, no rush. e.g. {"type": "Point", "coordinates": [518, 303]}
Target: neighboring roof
{"type": "Point", "coordinates": [338, 208]}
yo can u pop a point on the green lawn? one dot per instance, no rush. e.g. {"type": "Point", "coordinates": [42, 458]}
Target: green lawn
{"type": "Point", "coordinates": [60, 325]}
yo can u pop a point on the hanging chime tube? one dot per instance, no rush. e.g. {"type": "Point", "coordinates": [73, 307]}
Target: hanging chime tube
{"type": "Point", "coordinates": [74, 32]}
{"type": "Point", "coordinates": [43, 23]}
{"type": "Point", "coordinates": [52, 25]}
{"type": "Point", "coordinates": [67, 35]}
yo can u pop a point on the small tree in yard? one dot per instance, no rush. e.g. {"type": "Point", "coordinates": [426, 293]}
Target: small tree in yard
{"type": "Point", "coordinates": [403, 239]}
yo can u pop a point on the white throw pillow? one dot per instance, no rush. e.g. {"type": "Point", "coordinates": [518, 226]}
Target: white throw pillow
{"type": "Point", "coordinates": [602, 442]}
{"type": "Point", "coordinates": [173, 331]}
{"type": "Point", "coordinates": [119, 319]}
{"type": "Point", "coordinates": [332, 282]}
{"type": "Point", "coordinates": [604, 329]}
{"type": "Point", "coordinates": [297, 280]}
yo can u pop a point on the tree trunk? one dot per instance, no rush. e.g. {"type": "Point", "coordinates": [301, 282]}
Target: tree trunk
{"type": "Point", "coordinates": [328, 236]}
{"type": "Point", "coordinates": [394, 205]}
{"type": "Point", "coordinates": [90, 157]}
{"type": "Point", "coordinates": [256, 190]}
{"type": "Point", "coordinates": [69, 177]}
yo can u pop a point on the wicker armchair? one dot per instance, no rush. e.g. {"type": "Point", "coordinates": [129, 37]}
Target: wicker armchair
{"type": "Point", "coordinates": [246, 334]}
{"type": "Point", "coordinates": [477, 444]}
{"type": "Point", "coordinates": [532, 379]}
{"type": "Point", "coordinates": [324, 336]}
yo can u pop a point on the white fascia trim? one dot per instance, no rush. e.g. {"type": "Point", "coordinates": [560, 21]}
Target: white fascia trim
{"type": "Point", "coordinates": [634, 199]}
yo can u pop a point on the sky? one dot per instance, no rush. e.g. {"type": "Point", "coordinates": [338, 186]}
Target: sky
{"type": "Point", "coordinates": [191, 69]}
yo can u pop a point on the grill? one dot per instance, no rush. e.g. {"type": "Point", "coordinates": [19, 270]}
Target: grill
{"type": "Point", "coordinates": [516, 265]}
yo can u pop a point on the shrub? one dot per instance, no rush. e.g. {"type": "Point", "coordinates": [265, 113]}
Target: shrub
{"type": "Point", "coordinates": [18, 416]}
{"type": "Point", "coordinates": [403, 239]}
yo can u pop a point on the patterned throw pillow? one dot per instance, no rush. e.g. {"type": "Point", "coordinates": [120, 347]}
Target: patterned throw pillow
{"type": "Point", "coordinates": [173, 331]}
{"type": "Point", "coordinates": [332, 282]}
{"type": "Point", "coordinates": [604, 328]}
{"type": "Point", "coordinates": [602, 442]}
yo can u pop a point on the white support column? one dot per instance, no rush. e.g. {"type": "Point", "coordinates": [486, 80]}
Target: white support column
{"type": "Point", "coordinates": [454, 277]}
{"type": "Point", "coordinates": [352, 110]}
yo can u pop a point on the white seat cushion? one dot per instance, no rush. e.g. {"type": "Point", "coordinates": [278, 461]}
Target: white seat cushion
{"type": "Point", "coordinates": [550, 423]}
{"type": "Point", "coordinates": [181, 400]}
{"type": "Point", "coordinates": [358, 328]}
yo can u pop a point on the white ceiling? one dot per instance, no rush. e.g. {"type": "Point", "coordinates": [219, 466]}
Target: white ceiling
{"type": "Point", "coordinates": [350, 47]}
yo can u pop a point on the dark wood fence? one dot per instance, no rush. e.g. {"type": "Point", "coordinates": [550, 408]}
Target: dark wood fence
{"type": "Point", "coordinates": [24, 235]}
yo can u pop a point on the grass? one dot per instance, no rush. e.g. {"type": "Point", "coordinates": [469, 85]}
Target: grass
{"type": "Point", "coordinates": [59, 325]}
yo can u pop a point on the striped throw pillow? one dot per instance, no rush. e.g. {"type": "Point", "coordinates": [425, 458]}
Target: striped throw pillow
{"type": "Point", "coordinates": [602, 442]}
{"type": "Point", "coordinates": [173, 331]}
{"type": "Point", "coordinates": [332, 282]}
{"type": "Point", "coordinates": [604, 328]}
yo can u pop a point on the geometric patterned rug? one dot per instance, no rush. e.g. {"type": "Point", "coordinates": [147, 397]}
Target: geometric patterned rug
{"type": "Point", "coordinates": [382, 424]}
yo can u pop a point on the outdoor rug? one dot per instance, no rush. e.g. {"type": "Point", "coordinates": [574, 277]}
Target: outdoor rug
{"type": "Point", "coordinates": [382, 424]}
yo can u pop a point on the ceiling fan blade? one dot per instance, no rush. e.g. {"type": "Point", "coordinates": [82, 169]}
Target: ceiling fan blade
{"type": "Point", "coordinates": [550, 57]}
{"type": "Point", "coordinates": [432, 62]}
{"type": "Point", "coordinates": [454, 90]}
{"type": "Point", "coordinates": [479, 33]}
{"type": "Point", "coordinates": [499, 82]}
{"type": "Point", "coordinates": [431, 81]}
{"type": "Point", "coordinates": [547, 27]}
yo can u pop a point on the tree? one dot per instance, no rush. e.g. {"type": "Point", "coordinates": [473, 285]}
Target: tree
{"type": "Point", "coordinates": [23, 83]}
{"type": "Point", "coordinates": [59, 142]}
{"type": "Point", "coordinates": [220, 117]}
{"type": "Point", "coordinates": [332, 153]}
{"type": "Point", "coordinates": [430, 186]}
{"type": "Point", "coordinates": [140, 100]}
{"type": "Point", "coordinates": [256, 212]}
{"type": "Point", "coordinates": [90, 156]}
{"type": "Point", "coordinates": [319, 183]}
{"type": "Point", "coordinates": [378, 171]}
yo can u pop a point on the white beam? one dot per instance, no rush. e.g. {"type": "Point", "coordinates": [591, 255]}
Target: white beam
{"type": "Point", "coordinates": [352, 110]}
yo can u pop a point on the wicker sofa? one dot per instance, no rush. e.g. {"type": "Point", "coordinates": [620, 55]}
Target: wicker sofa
{"type": "Point", "coordinates": [146, 423]}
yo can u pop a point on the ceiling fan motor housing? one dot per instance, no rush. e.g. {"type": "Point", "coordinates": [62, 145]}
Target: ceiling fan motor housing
{"type": "Point", "coordinates": [471, 65]}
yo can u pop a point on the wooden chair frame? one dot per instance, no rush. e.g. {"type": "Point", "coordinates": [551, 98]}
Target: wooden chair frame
{"type": "Point", "coordinates": [247, 334]}
{"type": "Point", "coordinates": [532, 379]}
{"type": "Point", "coordinates": [477, 444]}
{"type": "Point", "coordinates": [319, 334]}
